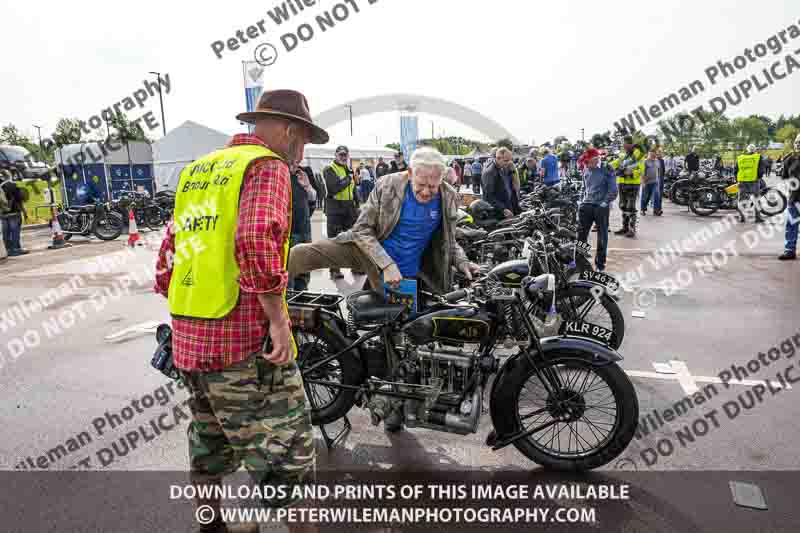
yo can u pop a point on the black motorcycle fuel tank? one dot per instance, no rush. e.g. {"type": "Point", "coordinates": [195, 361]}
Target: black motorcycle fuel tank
{"type": "Point", "coordinates": [462, 325]}
{"type": "Point", "coordinates": [511, 273]}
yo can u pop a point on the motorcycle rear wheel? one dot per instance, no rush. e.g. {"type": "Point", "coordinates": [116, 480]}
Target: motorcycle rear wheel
{"type": "Point", "coordinates": [107, 227]}
{"type": "Point", "coordinates": [599, 426]}
{"type": "Point", "coordinates": [679, 194]}
{"type": "Point", "coordinates": [705, 202]}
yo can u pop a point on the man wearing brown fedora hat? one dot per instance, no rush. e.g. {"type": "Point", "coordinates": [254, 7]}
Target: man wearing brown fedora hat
{"type": "Point", "coordinates": [223, 268]}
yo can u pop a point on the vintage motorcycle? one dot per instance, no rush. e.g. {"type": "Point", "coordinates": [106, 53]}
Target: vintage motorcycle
{"type": "Point", "coordinates": [97, 219]}
{"type": "Point", "coordinates": [720, 196]}
{"type": "Point", "coordinates": [561, 399]}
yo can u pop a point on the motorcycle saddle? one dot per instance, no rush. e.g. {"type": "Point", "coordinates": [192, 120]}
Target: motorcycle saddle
{"type": "Point", "coordinates": [370, 307]}
{"type": "Point", "coordinates": [81, 209]}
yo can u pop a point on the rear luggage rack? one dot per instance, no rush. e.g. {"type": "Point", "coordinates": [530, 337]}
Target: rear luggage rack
{"type": "Point", "coordinates": [320, 300]}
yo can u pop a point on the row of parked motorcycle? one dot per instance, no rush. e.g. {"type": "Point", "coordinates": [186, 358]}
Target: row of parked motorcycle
{"type": "Point", "coordinates": [108, 220]}
{"type": "Point", "coordinates": [534, 338]}
{"type": "Point", "coordinates": [707, 191]}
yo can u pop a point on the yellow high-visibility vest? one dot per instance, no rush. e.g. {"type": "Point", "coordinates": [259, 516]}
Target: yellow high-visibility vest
{"type": "Point", "coordinates": [748, 167]}
{"type": "Point", "coordinates": [345, 194]}
{"type": "Point", "coordinates": [635, 178]}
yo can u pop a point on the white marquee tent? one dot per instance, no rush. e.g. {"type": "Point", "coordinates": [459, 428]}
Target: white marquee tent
{"type": "Point", "coordinates": [180, 147]}
{"type": "Point", "coordinates": [191, 140]}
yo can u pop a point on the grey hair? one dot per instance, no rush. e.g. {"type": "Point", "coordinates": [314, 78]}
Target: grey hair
{"type": "Point", "coordinates": [428, 157]}
{"type": "Point", "coordinates": [502, 151]}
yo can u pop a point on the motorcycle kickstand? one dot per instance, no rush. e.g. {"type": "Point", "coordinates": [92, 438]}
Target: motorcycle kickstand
{"type": "Point", "coordinates": [330, 442]}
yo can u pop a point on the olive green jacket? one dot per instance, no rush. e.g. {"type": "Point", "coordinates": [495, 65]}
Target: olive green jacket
{"type": "Point", "coordinates": [380, 215]}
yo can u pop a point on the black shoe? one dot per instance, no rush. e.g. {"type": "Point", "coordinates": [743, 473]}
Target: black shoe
{"type": "Point", "coordinates": [358, 273]}
{"type": "Point", "coordinates": [621, 231]}
{"type": "Point", "coordinates": [594, 229]}
{"type": "Point", "coordinates": [741, 220]}
{"type": "Point", "coordinates": [631, 234]}
{"type": "Point", "coordinates": [658, 213]}
{"type": "Point", "coordinates": [337, 274]}
{"type": "Point", "coordinates": [788, 256]}
{"type": "Point", "coordinates": [644, 212]}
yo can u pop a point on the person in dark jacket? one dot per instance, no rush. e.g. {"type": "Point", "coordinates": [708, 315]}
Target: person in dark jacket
{"type": "Point", "coordinates": [599, 192]}
{"type": "Point", "coordinates": [791, 171]}
{"type": "Point", "coordinates": [381, 169]}
{"type": "Point", "coordinates": [500, 184]}
{"type": "Point", "coordinates": [341, 203]}
{"type": "Point", "coordinates": [304, 201]}
{"type": "Point", "coordinates": [692, 161]}
{"type": "Point", "coordinates": [12, 216]}
{"type": "Point", "coordinates": [399, 164]}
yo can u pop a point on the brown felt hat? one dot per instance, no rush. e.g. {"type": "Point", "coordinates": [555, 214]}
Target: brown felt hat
{"type": "Point", "coordinates": [288, 104]}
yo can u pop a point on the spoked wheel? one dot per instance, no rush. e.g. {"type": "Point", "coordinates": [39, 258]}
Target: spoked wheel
{"type": "Point", "coordinates": [705, 202]}
{"type": "Point", "coordinates": [107, 226]}
{"type": "Point", "coordinates": [772, 202]}
{"type": "Point", "coordinates": [153, 218]}
{"type": "Point", "coordinates": [328, 403]}
{"type": "Point", "coordinates": [580, 304]}
{"type": "Point", "coordinates": [583, 415]}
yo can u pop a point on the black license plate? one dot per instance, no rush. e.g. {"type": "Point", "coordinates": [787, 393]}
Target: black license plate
{"type": "Point", "coordinates": [600, 278]}
{"type": "Point", "coordinates": [574, 328]}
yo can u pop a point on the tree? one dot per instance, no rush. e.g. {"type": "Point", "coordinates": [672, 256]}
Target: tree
{"type": "Point", "coordinates": [748, 131]}
{"type": "Point", "coordinates": [127, 131]}
{"type": "Point", "coordinates": [558, 141]}
{"type": "Point", "coordinates": [68, 131]}
{"type": "Point", "coordinates": [506, 143]}
{"type": "Point", "coordinates": [393, 146]}
{"type": "Point", "coordinates": [787, 135]}
{"type": "Point", "coordinates": [9, 134]}
{"type": "Point", "coordinates": [601, 140]}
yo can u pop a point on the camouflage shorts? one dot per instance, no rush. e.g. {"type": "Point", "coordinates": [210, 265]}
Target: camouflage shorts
{"type": "Point", "coordinates": [252, 413]}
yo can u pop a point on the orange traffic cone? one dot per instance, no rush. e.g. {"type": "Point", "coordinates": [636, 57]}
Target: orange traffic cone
{"type": "Point", "coordinates": [133, 230]}
{"type": "Point", "coordinates": [57, 233]}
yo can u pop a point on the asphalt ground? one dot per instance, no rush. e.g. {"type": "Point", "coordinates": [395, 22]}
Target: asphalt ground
{"type": "Point", "coordinates": [69, 369]}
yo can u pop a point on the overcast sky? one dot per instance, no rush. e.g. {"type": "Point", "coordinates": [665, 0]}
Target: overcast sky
{"type": "Point", "coordinates": [540, 69]}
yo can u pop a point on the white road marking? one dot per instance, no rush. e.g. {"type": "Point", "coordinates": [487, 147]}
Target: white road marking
{"type": "Point", "coordinates": [144, 327]}
{"type": "Point", "coordinates": [680, 373]}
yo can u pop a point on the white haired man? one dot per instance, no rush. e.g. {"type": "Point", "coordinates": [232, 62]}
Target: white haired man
{"type": "Point", "coordinates": [406, 229]}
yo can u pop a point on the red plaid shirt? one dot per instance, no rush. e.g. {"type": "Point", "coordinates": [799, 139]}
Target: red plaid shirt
{"type": "Point", "coordinates": [263, 226]}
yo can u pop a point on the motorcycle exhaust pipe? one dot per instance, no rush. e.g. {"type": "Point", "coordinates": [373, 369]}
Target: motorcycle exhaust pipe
{"type": "Point", "coordinates": [453, 423]}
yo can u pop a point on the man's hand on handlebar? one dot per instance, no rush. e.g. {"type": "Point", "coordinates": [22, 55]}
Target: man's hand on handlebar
{"type": "Point", "coordinates": [469, 269]}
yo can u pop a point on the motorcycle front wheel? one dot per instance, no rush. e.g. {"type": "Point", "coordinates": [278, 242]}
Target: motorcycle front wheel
{"type": "Point", "coordinates": [588, 414]}
{"type": "Point", "coordinates": [772, 202]}
{"type": "Point", "coordinates": [328, 403]}
{"type": "Point", "coordinates": [679, 194]}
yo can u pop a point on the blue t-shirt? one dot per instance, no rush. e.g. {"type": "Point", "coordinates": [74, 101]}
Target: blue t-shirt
{"type": "Point", "coordinates": [413, 232]}
{"type": "Point", "coordinates": [550, 166]}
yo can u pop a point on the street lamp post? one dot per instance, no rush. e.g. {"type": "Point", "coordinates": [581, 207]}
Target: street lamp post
{"type": "Point", "coordinates": [41, 147]}
{"type": "Point", "coordinates": [350, 108]}
{"type": "Point", "coordinates": [161, 100]}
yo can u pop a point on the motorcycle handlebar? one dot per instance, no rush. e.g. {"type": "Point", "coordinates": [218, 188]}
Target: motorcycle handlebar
{"type": "Point", "coordinates": [452, 297]}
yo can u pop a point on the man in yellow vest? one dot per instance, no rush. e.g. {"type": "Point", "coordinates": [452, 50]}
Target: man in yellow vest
{"type": "Point", "coordinates": [222, 267]}
{"type": "Point", "coordinates": [629, 167]}
{"type": "Point", "coordinates": [341, 205]}
{"type": "Point", "coordinates": [749, 171]}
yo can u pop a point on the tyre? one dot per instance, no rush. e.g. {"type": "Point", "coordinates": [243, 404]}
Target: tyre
{"type": "Point", "coordinates": [679, 194]}
{"type": "Point", "coordinates": [594, 412]}
{"type": "Point", "coordinates": [153, 218]}
{"type": "Point", "coordinates": [107, 226]}
{"type": "Point", "coordinates": [705, 202]}
{"type": "Point", "coordinates": [579, 303]}
{"type": "Point", "coordinates": [328, 404]}
{"type": "Point", "coordinates": [772, 202]}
